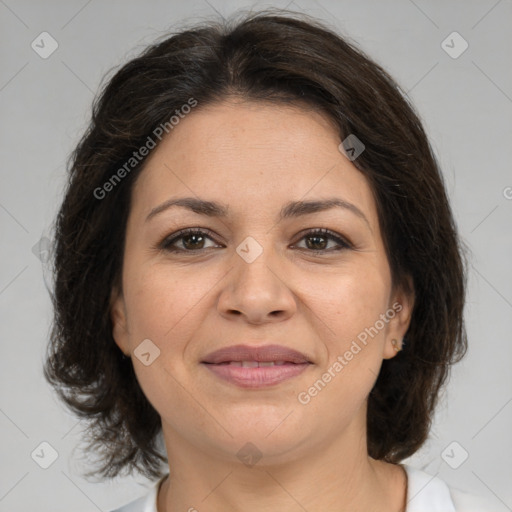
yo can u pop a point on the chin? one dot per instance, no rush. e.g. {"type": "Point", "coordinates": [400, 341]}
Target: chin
{"type": "Point", "coordinates": [263, 441]}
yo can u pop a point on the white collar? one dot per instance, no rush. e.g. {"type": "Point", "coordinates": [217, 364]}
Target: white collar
{"type": "Point", "coordinates": [426, 493]}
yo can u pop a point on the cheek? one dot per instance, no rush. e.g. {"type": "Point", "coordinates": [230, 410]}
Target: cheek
{"type": "Point", "coordinates": [352, 301]}
{"type": "Point", "coordinates": [353, 342]}
{"type": "Point", "coordinates": [161, 302]}
{"type": "Point", "coordinates": [162, 306]}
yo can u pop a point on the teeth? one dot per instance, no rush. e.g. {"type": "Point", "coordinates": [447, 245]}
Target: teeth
{"type": "Point", "coordinates": [249, 364]}
{"type": "Point", "coordinates": [255, 364]}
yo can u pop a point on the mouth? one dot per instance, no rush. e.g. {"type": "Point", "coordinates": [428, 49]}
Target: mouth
{"type": "Point", "coordinates": [256, 374]}
{"type": "Point", "coordinates": [255, 367]}
{"type": "Point", "coordinates": [262, 354]}
{"type": "Point", "coordinates": [254, 364]}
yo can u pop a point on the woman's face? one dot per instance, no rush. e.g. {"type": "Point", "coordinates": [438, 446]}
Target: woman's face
{"type": "Point", "coordinates": [255, 278]}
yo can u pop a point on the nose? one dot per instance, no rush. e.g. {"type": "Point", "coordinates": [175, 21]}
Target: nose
{"type": "Point", "coordinates": [257, 291]}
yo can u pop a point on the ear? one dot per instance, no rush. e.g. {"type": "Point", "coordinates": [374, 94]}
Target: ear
{"type": "Point", "coordinates": [402, 304]}
{"type": "Point", "coordinates": [119, 323]}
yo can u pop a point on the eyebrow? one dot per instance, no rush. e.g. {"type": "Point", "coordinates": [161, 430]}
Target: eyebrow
{"type": "Point", "coordinates": [290, 210]}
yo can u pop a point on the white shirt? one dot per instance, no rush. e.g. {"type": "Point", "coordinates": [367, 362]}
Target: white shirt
{"type": "Point", "coordinates": [425, 493]}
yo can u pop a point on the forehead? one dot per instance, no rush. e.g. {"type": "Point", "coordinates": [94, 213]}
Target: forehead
{"type": "Point", "coordinates": [252, 156]}
{"type": "Point", "coordinates": [260, 131]}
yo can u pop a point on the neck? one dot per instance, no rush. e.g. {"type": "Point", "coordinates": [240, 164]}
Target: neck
{"type": "Point", "coordinates": [336, 477]}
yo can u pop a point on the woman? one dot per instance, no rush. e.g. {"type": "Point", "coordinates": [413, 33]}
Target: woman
{"type": "Point", "coordinates": [256, 260]}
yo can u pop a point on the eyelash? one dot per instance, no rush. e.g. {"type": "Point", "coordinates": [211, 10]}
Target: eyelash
{"type": "Point", "coordinates": [167, 243]}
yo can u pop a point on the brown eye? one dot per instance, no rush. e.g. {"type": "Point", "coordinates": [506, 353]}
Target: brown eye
{"type": "Point", "coordinates": [193, 241]}
{"type": "Point", "coordinates": [188, 240]}
{"type": "Point", "coordinates": [318, 240]}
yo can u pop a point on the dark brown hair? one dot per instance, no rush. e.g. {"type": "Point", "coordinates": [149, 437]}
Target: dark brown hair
{"type": "Point", "coordinates": [268, 56]}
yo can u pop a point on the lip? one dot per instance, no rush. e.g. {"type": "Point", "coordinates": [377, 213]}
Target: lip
{"type": "Point", "coordinates": [264, 353]}
{"type": "Point", "coordinates": [291, 364]}
{"type": "Point", "coordinates": [257, 377]}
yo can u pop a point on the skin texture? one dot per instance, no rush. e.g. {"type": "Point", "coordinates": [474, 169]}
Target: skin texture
{"type": "Point", "coordinates": [254, 158]}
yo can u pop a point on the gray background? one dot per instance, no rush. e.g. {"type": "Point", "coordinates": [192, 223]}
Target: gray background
{"type": "Point", "coordinates": [466, 105]}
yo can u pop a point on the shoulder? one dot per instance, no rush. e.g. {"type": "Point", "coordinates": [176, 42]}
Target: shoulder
{"type": "Point", "coordinates": [146, 503]}
{"type": "Point", "coordinates": [429, 493]}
